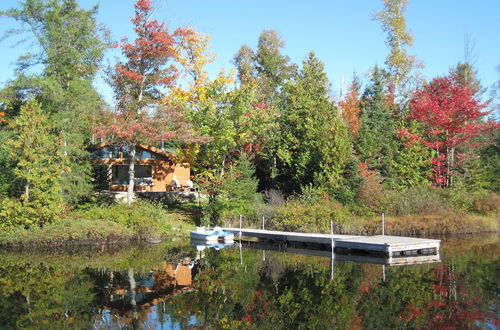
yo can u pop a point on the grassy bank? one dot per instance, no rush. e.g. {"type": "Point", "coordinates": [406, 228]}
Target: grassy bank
{"type": "Point", "coordinates": [408, 225]}
{"type": "Point", "coordinates": [418, 211]}
{"type": "Point", "coordinates": [115, 224]}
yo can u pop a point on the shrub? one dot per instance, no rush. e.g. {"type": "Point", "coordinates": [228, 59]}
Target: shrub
{"type": "Point", "coordinates": [235, 194]}
{"type": "Point", "coordinates": [14, 213]}
{"type": "Point", "coordinates": [147, 220]}
{"type": "Point", "coordinates": [64, 232]}
{"type": "Point", "coordinates": [418, 200]}
{"type": "Point", "coordinates": [310, 217]}
{"type": "Point", "coordinates": [486, 203]}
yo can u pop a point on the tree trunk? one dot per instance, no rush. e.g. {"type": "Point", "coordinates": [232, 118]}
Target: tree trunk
{"type": "Point", "coordinates": [27, 191]}
{"type": "Point", "coordinates": [131, 175]}
{"type": "Point", "coordinates": [132, 283]}
{"type": "Point", "coordinates": [452, 164]}
{"type": "Point", "coordinates": [223, 164]}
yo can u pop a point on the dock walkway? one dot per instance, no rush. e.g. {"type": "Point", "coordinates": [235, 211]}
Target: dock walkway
{"type": "Point", "coordinates": [383, 245]}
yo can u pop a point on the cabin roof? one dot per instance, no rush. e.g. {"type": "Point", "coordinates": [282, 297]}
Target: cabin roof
{"type": "Point", "coordinates": [166, 153]}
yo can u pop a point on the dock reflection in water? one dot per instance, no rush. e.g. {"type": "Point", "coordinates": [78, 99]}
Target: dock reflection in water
{"type": "Point", "coordinates": [359, 258]}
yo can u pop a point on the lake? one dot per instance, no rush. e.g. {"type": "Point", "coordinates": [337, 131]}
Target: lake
{"type": "Point", "coordinates": [174, 285]}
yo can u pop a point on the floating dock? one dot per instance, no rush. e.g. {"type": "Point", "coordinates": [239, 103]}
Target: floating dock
{"type": "Point", "coordinates": [379, 245]}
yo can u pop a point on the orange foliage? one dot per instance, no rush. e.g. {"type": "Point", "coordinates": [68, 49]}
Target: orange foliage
{"type": "Point", "coordinates": [351, 108]}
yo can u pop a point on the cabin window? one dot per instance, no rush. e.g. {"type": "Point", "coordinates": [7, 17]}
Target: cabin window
{"type": "Point", "coordinates": [142, 173]}
{"type": "Point", "coordinates": [102, 153]}
{"type": "Point", "coordinates": [144, 154]}
{"type": "Point", "coordinates": [121, 152]}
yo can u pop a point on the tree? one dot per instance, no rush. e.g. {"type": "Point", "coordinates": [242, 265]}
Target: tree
{"type": "Point", "coordinates": [269, 70]}
{"type": "Point", "coordinates": [40, 164]}
{"type": "Point", "coordinates": [375, 143]}
{"type": "Point", "coordinates": [273, 68]}
{"type": "Point", "coordinates": [138, 82]}
{"type": "Point", "coordinates": [71, 46]}
{"type": "Point", "coordinates": [244, 62]}
{"type": "Point", "coordinates": [451, 116]}
{"type": "Point", "coordinates": [399, 62]}
{"type": "Point", "coordinates": [235, 193]}
{"type": "Point", "coordinates": [351, 106]}
{"type": "Point", "coordinates": [314, 146]}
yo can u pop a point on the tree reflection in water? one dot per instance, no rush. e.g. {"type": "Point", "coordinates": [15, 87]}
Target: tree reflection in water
{"type": "Point", "coordinates": [162, 287]}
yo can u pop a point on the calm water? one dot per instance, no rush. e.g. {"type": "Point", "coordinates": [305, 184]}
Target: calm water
{"type": "Point", "coordinates": [175, 286]}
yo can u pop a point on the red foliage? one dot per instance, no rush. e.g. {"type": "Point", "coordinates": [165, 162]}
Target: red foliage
{"type": "Point", "coordinates": [148, 66]}
{"type": "Point", "coordinates": [371, 191]}
{"type": "Point", "coordinates": [451, 115]}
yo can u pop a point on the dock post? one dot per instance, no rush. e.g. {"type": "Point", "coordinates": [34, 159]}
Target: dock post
{"type": "Point", "coordinates": [241, 253]}
{"type": "Point", "coordinates": [332, 244]}
{"type": "Point", "coordinates": [263, 220]}
{"type": "Point", "coordinates": [383, 224]}
{"type": "Point", "coordinates": [241, 219]}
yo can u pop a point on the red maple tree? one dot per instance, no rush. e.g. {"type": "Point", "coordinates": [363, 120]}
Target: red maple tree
{"type": "Point", "coordinates": [452, 116]}
{"type": "Point", "coordinates": [149, 67]}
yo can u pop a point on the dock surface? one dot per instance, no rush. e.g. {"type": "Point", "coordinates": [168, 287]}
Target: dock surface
{"type": "Point", "coordinates": [382, 245]}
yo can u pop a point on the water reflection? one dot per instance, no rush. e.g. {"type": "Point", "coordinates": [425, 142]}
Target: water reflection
{"type": "Point", "coordinates": [175, 285]}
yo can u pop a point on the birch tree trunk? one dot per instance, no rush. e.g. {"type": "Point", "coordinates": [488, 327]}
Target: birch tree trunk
{"type": "Point", "coordinates": [131, 175]}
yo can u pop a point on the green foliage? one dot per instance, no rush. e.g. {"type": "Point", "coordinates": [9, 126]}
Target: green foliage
{"type": "Point", "coordinates": [67, 232]}
{"type": "Point", "coordinates": [7, 177]}
{"type": "Point", "coordinates": [482, 172]}
{"type": "Point", "coordinates": [71, 46]}
{"type": "Point", "coordinates": [416, 200]}
{"type": "Point", "coordinates": [40, 164]}
{"type": "Point", "coordinates": [235, 194]}
{"type": "Point", "coordinates": [315, 146]}
{"type": "Point", "coordinates": [375, 144]}
{"type": "Point", "coordinates": [311, 211]}
{"type": "Point", "coordinates": [146, 220]}
{"type": "Point", "coordinates": [411, 164]}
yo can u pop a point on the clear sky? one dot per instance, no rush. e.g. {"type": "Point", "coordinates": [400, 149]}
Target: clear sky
{"type": "Point", "coordinates": [342, 33]}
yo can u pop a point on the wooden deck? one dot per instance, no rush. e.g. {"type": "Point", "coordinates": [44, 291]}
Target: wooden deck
{"type": "Point", "coordinates": [380, 245]}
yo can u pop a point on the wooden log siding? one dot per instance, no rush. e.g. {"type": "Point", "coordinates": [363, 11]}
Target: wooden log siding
{"type": "Point", "coordinates": [163, 169]}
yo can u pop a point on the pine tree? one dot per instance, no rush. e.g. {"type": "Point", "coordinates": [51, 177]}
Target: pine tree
{"type": "Point", "coordinates": [40, 165]}
{"type": "Point", "coordinates": [375, 144]}
{"type": "Point", "coordinates": [315, 147]}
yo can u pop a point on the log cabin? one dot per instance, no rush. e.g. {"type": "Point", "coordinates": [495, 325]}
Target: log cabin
{"type": "Point", "coordinates": [156, 170]}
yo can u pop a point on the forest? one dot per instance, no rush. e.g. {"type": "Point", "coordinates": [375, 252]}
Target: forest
{"type": "Point", "coordinates": [266, 138]}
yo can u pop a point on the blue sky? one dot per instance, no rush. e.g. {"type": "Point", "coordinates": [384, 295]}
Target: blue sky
{"type": "Point", "coordinates": [341, 33]}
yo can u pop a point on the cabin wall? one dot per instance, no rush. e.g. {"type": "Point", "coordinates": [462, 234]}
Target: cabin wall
{"type": "Point", "coordinates": [162, 172]}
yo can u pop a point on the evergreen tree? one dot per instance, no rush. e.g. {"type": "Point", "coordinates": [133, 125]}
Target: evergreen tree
{"type": "Point", "coordinates": [71, 49]}
{"type": "Point", "coordinates": [40, 165]}
{"type": "Point", "coordinates": [315, 147]}
{"type": "Point", "coordinates": [375, 144]}
{"type": "Point", "coordinates": [236, 192]}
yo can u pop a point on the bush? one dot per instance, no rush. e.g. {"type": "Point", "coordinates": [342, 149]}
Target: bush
{"type": "Point", "coordinates": [418, 200]}
{"type": "Point", "coordinates": [147, 220]}
{"type": "Point", "coordinates": [235, 194]}
{"type": "Point", "coordinates": [486, 203]}
{"type": "Point", "coordinates": [310, 217]}
{"type": "Point", "coordinates": [65, 232]}
{"type": "Point", "coordinates": [13, 212]}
